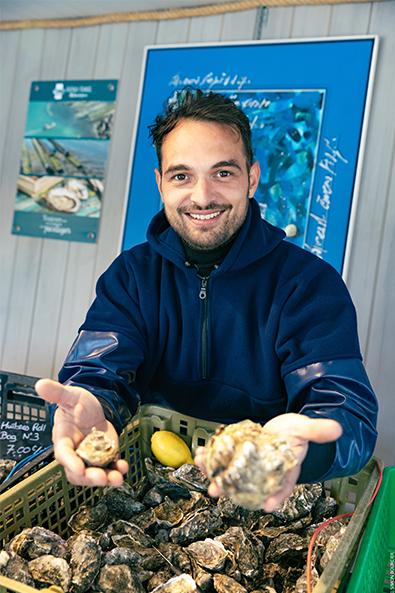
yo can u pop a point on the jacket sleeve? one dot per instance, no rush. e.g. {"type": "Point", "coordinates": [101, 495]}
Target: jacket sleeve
{"type": "Point", "coordinates": [337, 389]}
{"type": "Point", "coordinates": [110, 346]}
{"type": "Point", "coordinates": [322, 370]}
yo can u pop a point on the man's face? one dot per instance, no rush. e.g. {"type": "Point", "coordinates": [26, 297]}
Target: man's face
{"type": "Point", "coordinates": [205, 185]}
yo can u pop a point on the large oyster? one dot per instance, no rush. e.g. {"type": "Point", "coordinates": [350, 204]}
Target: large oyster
{"type": "Point", "coordinates": [84, 562]}
{"type": "Point", "coordinates": [97, 449]}
{"type": "Point", "coordinates": [33, 542]}
{"type": "Point", "coordinates": [248, 463]}
{"type": "Point", "coordinates": [49, 570]}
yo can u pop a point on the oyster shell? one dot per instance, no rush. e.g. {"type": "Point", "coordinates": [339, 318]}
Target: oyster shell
{"type": "Point", "coordinates": [168, 513]}
{"type": "Point", "coordinates": [15, 567]}
{"type": "Point", "coordinates": [114, 578]}
{"type": "Point", "coordinates": [182, 583]}
{"type": "Point", "coordinates": [287, 549]}
{"type": "Point", "coordinates": [330, 547]}
{"type": "Point", "coordinates": [225, 584]}
{"type": "Point", "coordinates": [89, 517]}
{"type": "Point", "coordinates": [299, 503]}
{"type": "Point", "coordinates": [33, 542]}
{"type": "Point", "coordinates": [121, 555]}
{"type": "Point", "coordinates": [324, 508]}
{"type": "Point", "coordinates": [6, 465]}
{"type": "Point", "coordinates": [196, 526]}
{"type": "Point", "coordinates": [97, 449]}
{"type": "Point", "coordinates": [248, 463]}
{"type": "Point", "coordinates": [190, 476]}
{"type": "Point", "coordinates": [121, 502]}
{"type": "Point", "coordinates": [159, 578]}
{"type": "Point", "coordinates": [246, 550]}
{"type": "Point", "coordinates": [84, 562]}
{"type": "Point", "coordinates": [209, 554]}
{"type": "Point", "coordinates": [51, 570]}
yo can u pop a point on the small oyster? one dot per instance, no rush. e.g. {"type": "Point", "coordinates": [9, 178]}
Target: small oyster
{"type": "Point", "coordinates": [114, 578]}
{"type": "Point", "coordinates": [209, 554]}
{"type": "Point", "coordinates": [15, 567]}
{"type": "Point", "coordinates": [97, 449]}
{"type": "Point", "coordinates": [301, 583]}
{"type": "Point", "coordinates": [168, 513]}
{"type": "Point", "coordinates": [6, 465]}
{"type": "Point", "coordinates": [33, 542]}
{"type": "Point", "coordinates": [84, 562]}
{"type": "Point", "coordinates": [330, 547]}
{"type": "Point", "coordinates": [287, 549]}
{"type": "Point", "coordinates": [121, 555]}
{"type": "Point", "coordinates": [324, 508]}
{"type": "Point", "coordinates": [190, 476]}
{"type": "Point", "coordinates": [196, 526]}
{"type": "Point", "coordinates": [182, 583]}
{"type": "Point", "coordinates": [159, 578]}
{"type": "Point", "coordinates": [248, 463]}
{"type": "Point", "coordinates": [246, 550]}
{"type": "Point", "coordinates": [89, 517]}
{"type": "Point", "coordinates": [300, 502]}
{"type": "Point", "coordinates": [121, 502]}
{"type": "Point", "coordinates": [51, 570]}
{"type": "Point", "coordinates": [225, 584]}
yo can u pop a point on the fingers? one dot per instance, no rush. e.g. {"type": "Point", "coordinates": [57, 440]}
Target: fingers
{"type": "Point", "coordinates": [200, 459]}
{"type": "Point", "coordinates": [96, 476]}
{"type": "Point", "coordinates": [56, 393]}
{"type": "Point", "coordinates": [298, 426]}
{"type": "Point", "coordinates": [275, 501]}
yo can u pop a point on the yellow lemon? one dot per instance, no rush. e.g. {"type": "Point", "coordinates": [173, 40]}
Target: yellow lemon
{"type": "Point", "coordinates": [170, 449]}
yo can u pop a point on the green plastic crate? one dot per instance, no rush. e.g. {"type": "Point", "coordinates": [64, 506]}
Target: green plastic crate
{"type": "Point", "coordinates": [374, 570]}
{"type": "Point", "coordinates": [46, 498]}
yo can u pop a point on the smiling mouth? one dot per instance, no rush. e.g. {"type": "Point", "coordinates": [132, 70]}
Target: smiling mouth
{"type": "Point", "coordinates": [209, 216]}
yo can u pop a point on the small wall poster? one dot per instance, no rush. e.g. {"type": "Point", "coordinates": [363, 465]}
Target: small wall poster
{"type": "Point", "coordinates": [64, 155]}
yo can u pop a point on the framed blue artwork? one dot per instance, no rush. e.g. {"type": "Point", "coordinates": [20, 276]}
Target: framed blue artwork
{"type": "Point", "coordinates": [307, 102]}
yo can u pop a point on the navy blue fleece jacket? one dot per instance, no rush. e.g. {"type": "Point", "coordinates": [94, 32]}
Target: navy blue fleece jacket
{"type": "Point", "coordinates": [272, 330]}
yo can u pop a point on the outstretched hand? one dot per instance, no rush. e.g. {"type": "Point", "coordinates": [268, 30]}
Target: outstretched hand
{"type": "Point", "coordinates": [78, 411]}
{"type": "Point", "coordinates": [299, 430]}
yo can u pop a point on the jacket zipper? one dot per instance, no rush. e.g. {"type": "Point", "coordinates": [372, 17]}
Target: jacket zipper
{"type": "Point", "coordinates": [204, 334]}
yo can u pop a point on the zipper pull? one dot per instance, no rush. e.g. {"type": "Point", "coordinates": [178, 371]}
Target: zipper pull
{"type": "Point", "coordinates": [203, 288]}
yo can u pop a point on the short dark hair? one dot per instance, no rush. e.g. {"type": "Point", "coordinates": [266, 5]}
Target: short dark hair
{"type": "Point", "coordinates": [198, 105]}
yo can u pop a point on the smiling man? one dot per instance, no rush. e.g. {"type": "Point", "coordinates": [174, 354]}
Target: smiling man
{"type": "Point", "coordinates": [217, 316]}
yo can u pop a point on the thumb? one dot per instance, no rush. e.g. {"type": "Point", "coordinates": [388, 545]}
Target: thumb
{"type": "Point", "coordinates": [321, 430]}
{"type": "Point", "coordinates": [55, 393]}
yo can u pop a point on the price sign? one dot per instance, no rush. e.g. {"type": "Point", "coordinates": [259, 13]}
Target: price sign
{"type": "Point", "coordinates": [21, 438]}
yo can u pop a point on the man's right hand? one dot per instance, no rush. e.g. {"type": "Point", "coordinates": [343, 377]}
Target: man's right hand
{"type": "Point", "coordinates": [78, 411]}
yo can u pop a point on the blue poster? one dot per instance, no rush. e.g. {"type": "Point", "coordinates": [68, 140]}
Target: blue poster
{"type": "Point", "coordinates": [64, 155]}
{"type": "Point", "coordinates": [306, 101]}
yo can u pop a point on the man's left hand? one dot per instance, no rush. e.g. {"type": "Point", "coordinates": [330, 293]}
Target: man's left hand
{"type": "Point", "coordinates": [299, 430]}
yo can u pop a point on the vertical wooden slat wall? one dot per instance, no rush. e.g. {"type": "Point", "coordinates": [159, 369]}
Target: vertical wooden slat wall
{"type": "Point", "coordinates": [47, 285]}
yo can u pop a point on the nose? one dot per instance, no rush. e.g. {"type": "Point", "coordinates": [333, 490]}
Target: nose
{"type": "Point", "coordinates": [202, 193]}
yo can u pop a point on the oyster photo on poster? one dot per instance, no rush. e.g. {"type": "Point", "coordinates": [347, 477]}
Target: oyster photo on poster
{"type": "Point", "coordinates": [63, 161]}
{"type": "Point", "coordinates": [307, 101]}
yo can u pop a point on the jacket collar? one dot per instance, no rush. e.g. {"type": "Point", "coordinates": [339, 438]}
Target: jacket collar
{"type": "Point", "coordinates": [256, 239]}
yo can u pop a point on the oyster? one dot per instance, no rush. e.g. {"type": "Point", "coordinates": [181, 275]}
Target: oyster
{"type": "Point", "coordinates": [301, 583]}
{"type": "Point", "coordinates": [168, 513]}
{"type": "Point", "coordinates": [88, 517]}
{"type": "Point", "coordinates": [190, 476]}
{"type": "Point", "coordinates": [177, 556]}
{"type": "Point", "coordinates": [248, 463]}
{"type": "Point", "coordinates": [246, 550]}
{"type": "Point", "coordinates": [6, 465]}
{"type": "Point", "coordinates": [15, 567]}
{"type": "Point", "coordinates": [330, 547]}
{"type": "Point", "coordinates": [300, 502]}
{"type": "Point", "coordinates": [33, 542]}
{"type": "Point", "coordinates": [121, 502]}
{"type": "Point", "coordinates": [121, 555]}
{"type": "Point", "coordinates": [287, 549]}
{"type": "Point", "coordinates": [97, 449]}
{"type": "Point", "coordinates": [114, 578]}
{"type": "Point", "coordinates": [225, 584]}
{"type": "Point", "coordinates": [182, 583]}
{"type": "Point", "coordinates": [153, 497]}
{"type": "Point", "coordinates": [324, 508]}
{"type": "Point", "coordinates": [159, 578]}
{"type": "Point", "coordinates": [196, 526]}
{"type": "Point", "coordinates": [51, 570]}
{"type": "Point", "coordinates": [209, 554]}
{"type": "Point", "coordinates": [84, 562]}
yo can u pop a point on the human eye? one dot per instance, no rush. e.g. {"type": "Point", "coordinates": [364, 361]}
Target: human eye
{"type": "Point", "coordinates": [223, 173]}
{"type": "Point", "coordinates": [179, 177]}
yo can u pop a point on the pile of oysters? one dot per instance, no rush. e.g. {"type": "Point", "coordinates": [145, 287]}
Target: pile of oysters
{"type": "Point", "coordinates": [168, 536]}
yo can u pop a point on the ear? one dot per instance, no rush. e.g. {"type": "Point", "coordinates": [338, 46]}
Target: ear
{"type": "Point", "coordinates": [254, 175]}
{"type": "Point", "coordinates": [158, 179]}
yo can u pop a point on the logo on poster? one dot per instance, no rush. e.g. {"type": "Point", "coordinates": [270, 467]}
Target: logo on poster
{"type": "Point", "coordinates": [58, 91]}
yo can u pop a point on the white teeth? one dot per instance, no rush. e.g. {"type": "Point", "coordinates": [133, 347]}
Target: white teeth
{"type": "Point", "coordinates": [205, 216]}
